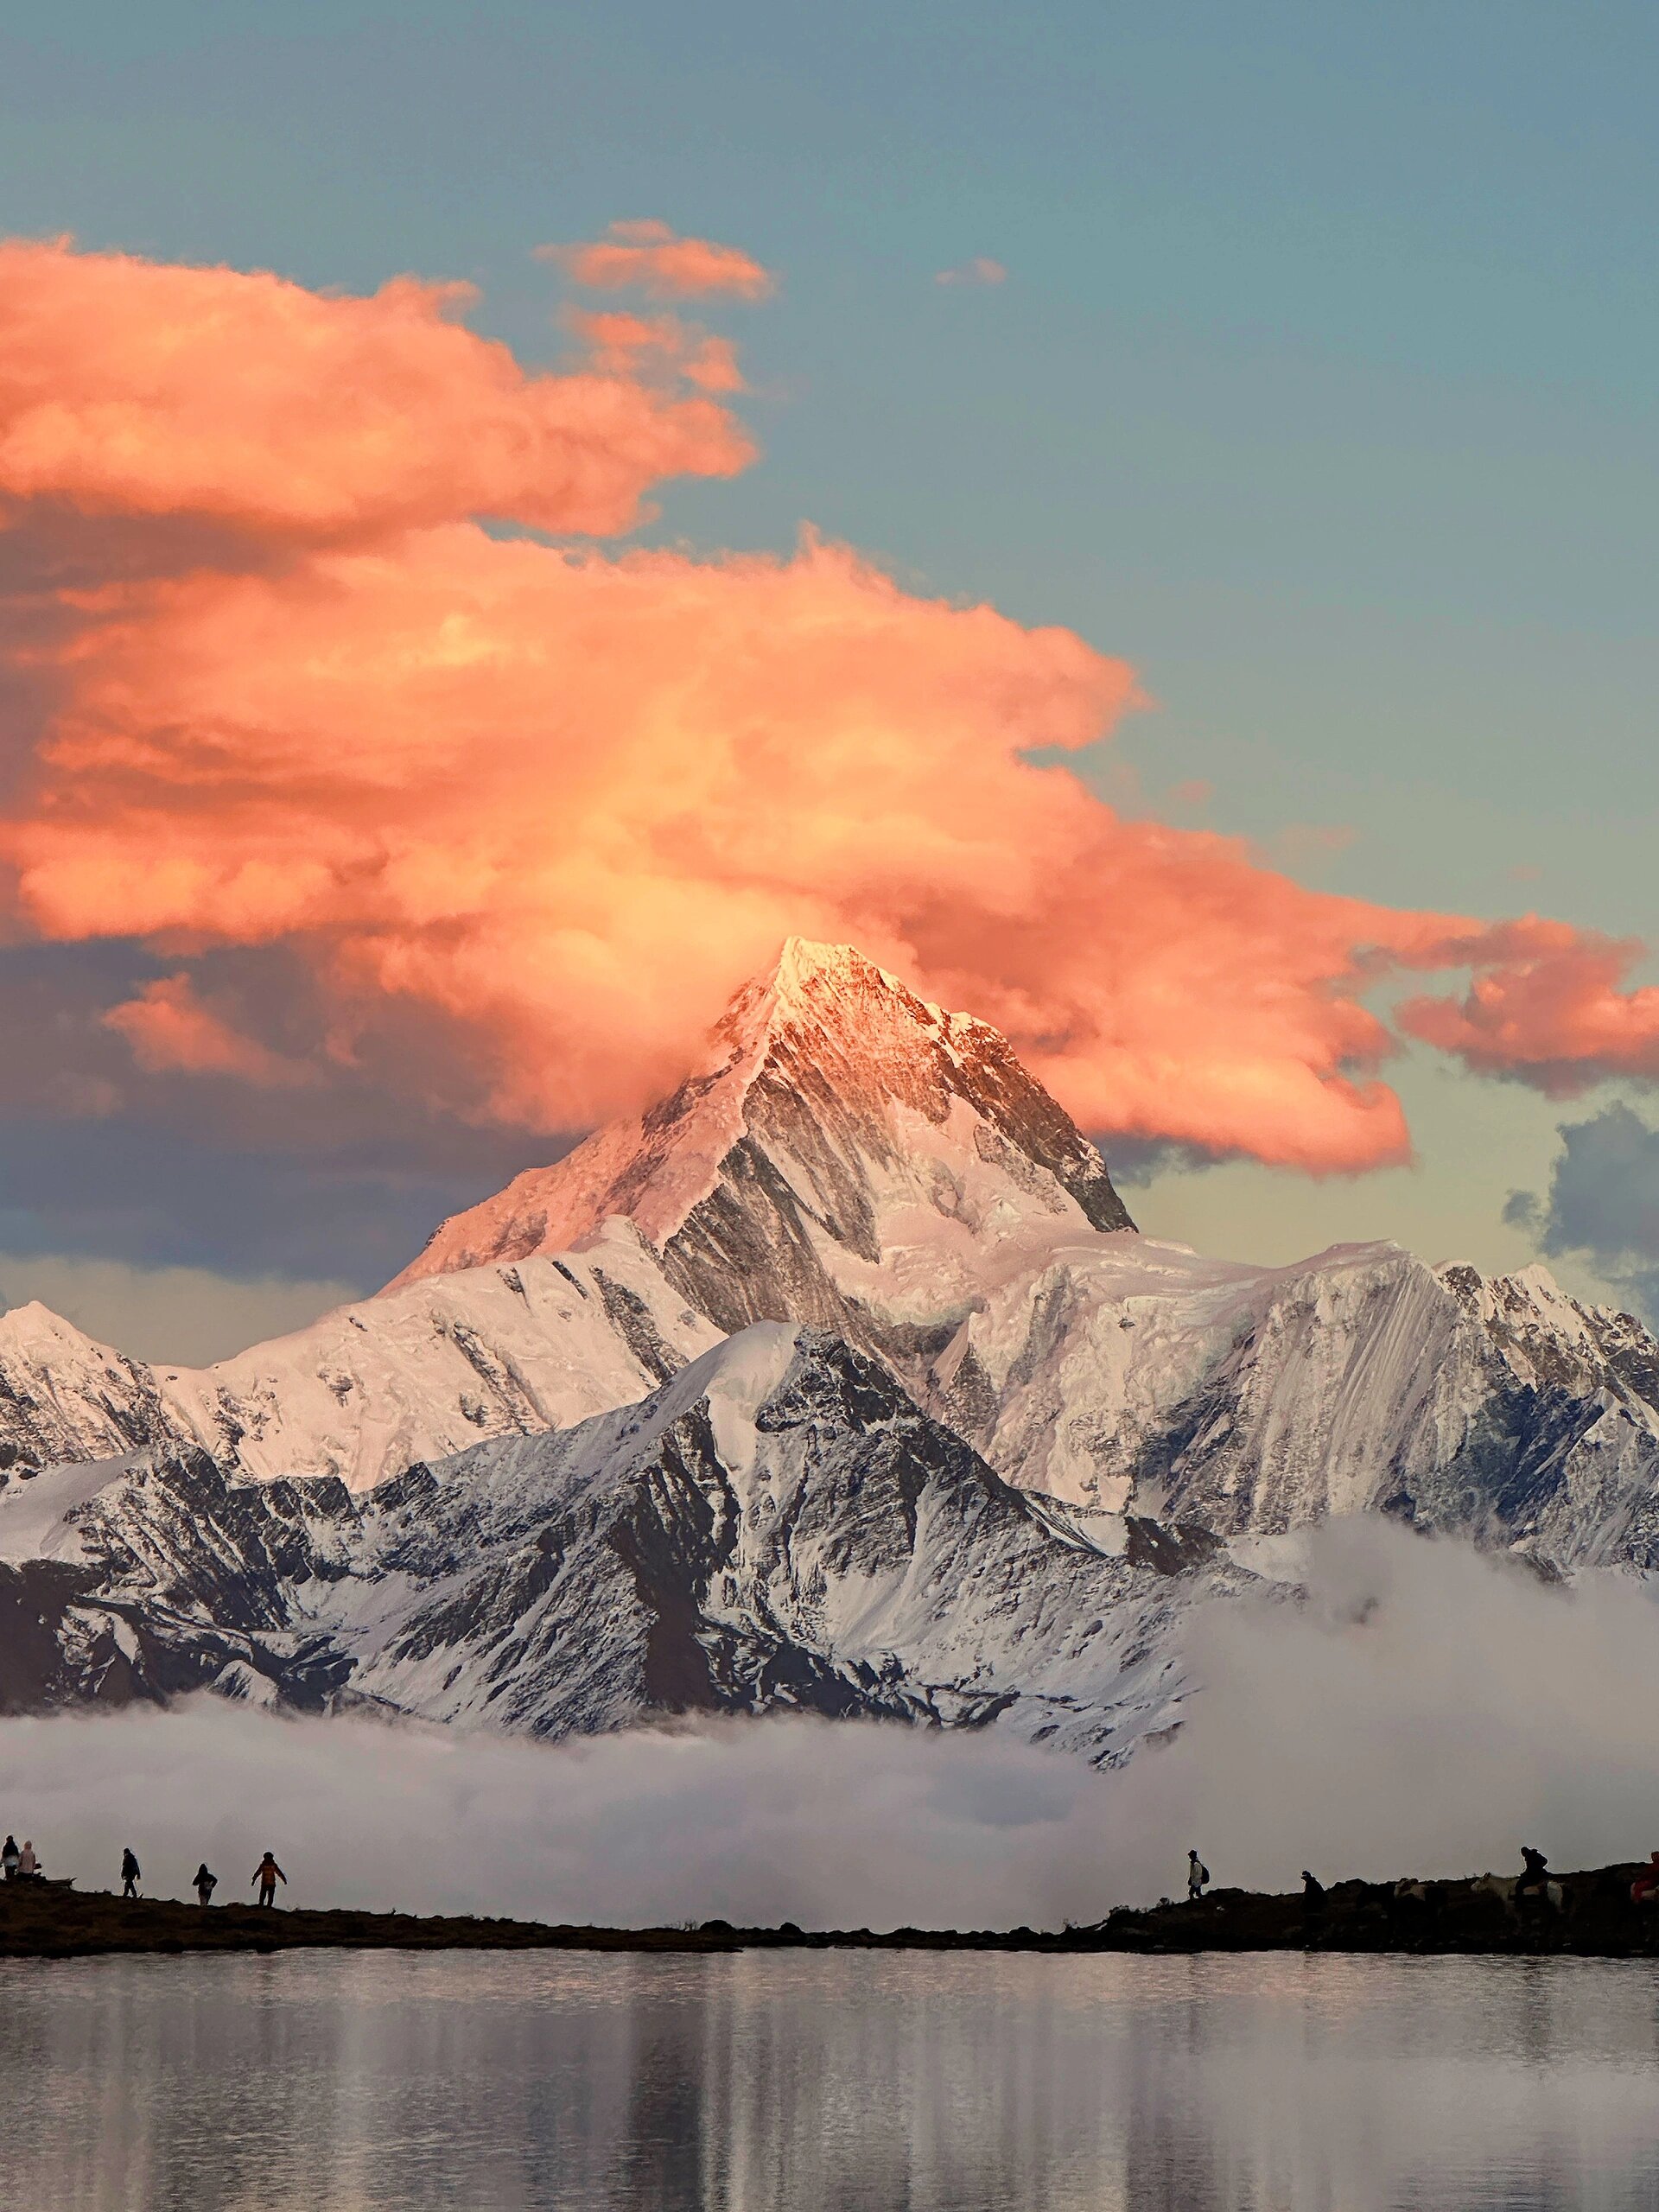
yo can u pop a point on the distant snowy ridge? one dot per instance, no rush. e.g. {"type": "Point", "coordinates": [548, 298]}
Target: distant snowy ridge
{"type": "Point", "coordinates": [1260, 1400]}
{"type": "Point", "coordinates": [371, 1387]}
{"type": "Point", "coordinates": [778, 1528]}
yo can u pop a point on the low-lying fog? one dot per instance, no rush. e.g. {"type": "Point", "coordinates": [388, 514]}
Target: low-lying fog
{"type": "Point", "coordinates": [1425, 1712]}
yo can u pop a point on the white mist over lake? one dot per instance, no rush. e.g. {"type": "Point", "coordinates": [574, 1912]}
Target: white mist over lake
{"type": "Point", "coordinates": [1426, 1711]}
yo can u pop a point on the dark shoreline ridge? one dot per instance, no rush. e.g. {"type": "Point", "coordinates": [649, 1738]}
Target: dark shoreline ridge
{"type": "Point", "coordinates": [1595, 1918]}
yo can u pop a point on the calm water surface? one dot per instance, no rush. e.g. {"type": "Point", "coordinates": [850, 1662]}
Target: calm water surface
{"type": "Point", "coordinates": [329, 2082]}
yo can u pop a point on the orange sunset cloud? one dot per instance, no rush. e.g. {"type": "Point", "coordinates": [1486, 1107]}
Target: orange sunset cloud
{"type": "Point", "coordinates": [648, 257]}
{"type": "Point", "coordinates": [565, 800]}
{"type": "Point", "coordinates": [131, 389]}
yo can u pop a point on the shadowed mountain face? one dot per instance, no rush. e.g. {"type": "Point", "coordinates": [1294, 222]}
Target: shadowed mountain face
{"type": "Point", "coordinates": [913, 1422]}
{"type": "Point", "coordinates": [778, 1528]}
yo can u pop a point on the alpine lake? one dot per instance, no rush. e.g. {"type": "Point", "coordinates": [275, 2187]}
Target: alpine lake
{"type": "Point", "coordinates": [336, 2081]}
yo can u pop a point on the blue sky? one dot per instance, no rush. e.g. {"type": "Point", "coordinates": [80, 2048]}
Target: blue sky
{"type": "Point", "coordinates": [1321, 388]}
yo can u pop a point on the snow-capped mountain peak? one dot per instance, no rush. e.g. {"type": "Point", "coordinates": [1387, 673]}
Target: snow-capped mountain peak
{"type": "Point", "coordinates": [971, 1465]}
{"type": "Point", "coordinates": [837, 1118]}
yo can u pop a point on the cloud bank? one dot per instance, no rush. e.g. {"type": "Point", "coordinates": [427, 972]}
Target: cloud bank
{"type": "Point", "coordinates": [757, 1821]}
{"type": "Point", "coordinates": [1425, 1712]}
{"type": "Point", "coordinates": [522, 813]}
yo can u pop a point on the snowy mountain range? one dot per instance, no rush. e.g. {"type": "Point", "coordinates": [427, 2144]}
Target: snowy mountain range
{"type": "Point", "coordinates": [840, 1379]}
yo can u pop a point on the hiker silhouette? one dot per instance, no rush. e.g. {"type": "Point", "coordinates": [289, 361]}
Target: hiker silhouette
{"type": "Point", "coordinates": [267, 1874]}
{"type": "Point", "coordinates": [1535, 1881]}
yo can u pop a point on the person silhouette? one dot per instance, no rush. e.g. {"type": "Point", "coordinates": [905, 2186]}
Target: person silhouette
{"type": "Point", "coordinates": [206, 1885]}
{"type": "Point", "coordinates": [1536, 1877]}
{"type": "Point", "coordinates": [1197, 1875]}
{"type": "Point", "coordinates": [131, 1873]}
{"type": "Point", "coordinates": [1313, 1903]}
{"type": "Point", "coordinates": [267, 1874]}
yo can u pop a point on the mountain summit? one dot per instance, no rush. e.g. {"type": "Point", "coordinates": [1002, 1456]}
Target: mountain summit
{"type": "Point", "coordinates": [839, 1119]}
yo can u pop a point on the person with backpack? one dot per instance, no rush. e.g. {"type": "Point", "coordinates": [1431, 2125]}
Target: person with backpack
{"type": "Point", "coordinates": [206, 1885]}
{"type": "Point", "coordinates": [131, 1873]}
{"type": "Point", "coordinates": [268, 1873]}
{"type": "Point", "coordinates": [1197, 1874]}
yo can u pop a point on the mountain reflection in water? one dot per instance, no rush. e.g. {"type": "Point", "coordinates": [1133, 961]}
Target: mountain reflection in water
{"type": "Point", "coordinates": [330, 2082]}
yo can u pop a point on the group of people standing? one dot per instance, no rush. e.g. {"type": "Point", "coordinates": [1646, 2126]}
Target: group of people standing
{"type": "Point", "coordinates": [1533, 1883]}
{"type": "Point", "coordinates": [266, 1875]}
{"type": "Point", "coordinates": [20, 1865]}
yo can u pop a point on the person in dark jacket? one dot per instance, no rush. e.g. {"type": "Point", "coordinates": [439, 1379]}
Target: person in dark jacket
{"type": "Point", "coordinates": [8, 1857]}
{"type": "Point", "coordinates": [268, 1873]}
{"type": "Point", "coordinates": [131, 1873]}
{"type": "Point", "coordinates": [206, 1885]}
{"type": "Point", "coordinates": [1536, 1879]}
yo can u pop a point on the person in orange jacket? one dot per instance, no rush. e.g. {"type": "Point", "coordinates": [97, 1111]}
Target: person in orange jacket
{"type": "Point", "coordinates": [268, 1873]}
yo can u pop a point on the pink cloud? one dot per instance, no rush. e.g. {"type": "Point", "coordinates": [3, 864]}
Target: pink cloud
{"type": "Point", "coordinates": [631, 347]}
{"type": "Point", "coordinates": [134, 388]}
{"type": "Point", "coordinates": [170, 1030]}
{"type": "Point", "coordinates": [1548, 1009]}
{"type": "Point", "coordinates": [982, 270]}
{"type": "Point", "coordinates": [563, 803]}
{"type": "Point", "coordinates": [648, 257]}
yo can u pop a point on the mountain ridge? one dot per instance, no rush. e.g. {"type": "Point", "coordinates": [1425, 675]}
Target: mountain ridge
{"type": "Point", "coordinates": [1032, 1439]}
{"type": "Point", "coordinates": [779, 1527]}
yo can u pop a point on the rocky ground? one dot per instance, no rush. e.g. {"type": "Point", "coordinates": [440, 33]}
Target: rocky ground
{"type": "Point", "coordinates": [1589, 1914]}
